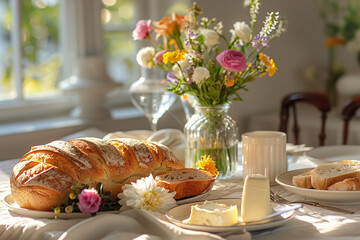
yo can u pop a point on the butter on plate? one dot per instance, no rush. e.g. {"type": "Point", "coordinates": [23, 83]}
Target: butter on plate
{"type": "Point", "coordinates": [255, 203]}
{"type": "Point", "coordinates": [213, 214]}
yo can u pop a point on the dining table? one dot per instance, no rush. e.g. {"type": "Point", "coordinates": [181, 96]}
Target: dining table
{"type": "Point", "coordinates": [308, 222]}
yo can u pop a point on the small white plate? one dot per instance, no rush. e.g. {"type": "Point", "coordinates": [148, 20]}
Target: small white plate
{"type": "Point", "coordinates": [13, 207]}
{"type": "Point", "coordinates": [178, 214]}
{"type": "Point", "coordinates": [324, 196]}
{"type": "Point", "coordinates": [335, 153]}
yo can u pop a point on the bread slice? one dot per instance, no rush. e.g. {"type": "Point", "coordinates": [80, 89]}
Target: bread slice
{"type": "Point", "coordinates": [326, 175]}
{"type": "Point", "coordinates": [348, 184]}
{"type": "Point", "coordinates": [186, 182]}
{"type": "Point", "coordinates": [303, 180]}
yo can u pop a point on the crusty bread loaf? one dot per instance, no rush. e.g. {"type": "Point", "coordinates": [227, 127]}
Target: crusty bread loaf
{"type": "Point", "coordinates": [43, 177]}
{"type": "Point", "coordinates": [303, 180]}
{"type": "Point", "coordinates": [186, 182]}
{"type": "Point", "coordinates": [326, 175]}
{"type": "Point", "coordinates": [348, 184]}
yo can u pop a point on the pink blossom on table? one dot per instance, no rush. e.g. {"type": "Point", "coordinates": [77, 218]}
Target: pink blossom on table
{"type": "Point", "coordinates": [89, 201]}
{"type": "Point", "coordinates": [232, 60]}
{"type": "Point", "coordinates": [159, 56]}
{"type": "Point", "coordinates": [141, 30]}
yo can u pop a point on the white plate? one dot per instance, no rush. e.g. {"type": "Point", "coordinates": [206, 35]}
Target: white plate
{"type": "Point", "coordinates": [335, 153]}
{"type": "Point", "coordinates": [14, 208]}
{"type": "Point", "coordinates": [177, 214]}
{"type": "Point", "coordinates": [324, 196]}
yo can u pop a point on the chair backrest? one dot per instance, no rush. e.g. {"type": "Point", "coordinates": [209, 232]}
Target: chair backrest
{"type": "Point", "coordinates": [348, 112]}
{"type": "Point", "coordinates": [318, 100]}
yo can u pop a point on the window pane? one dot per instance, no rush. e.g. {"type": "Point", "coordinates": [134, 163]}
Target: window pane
{"type": "Point", "coordinates": [6, 84]}
{"type": "Point", "coordinates": [40, 47]}
{"type": "Point", "coordinates": [118, 21]}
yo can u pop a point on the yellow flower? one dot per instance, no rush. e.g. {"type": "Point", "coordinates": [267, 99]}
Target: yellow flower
{"type": "Point", "coordinates": [174, 57]}
{"type": "Point", "coordinates": [272, 68]}
{"type": "Point", "coordinates": [334, 41]}
{"type": "Point", "coordinates": [264, 59]}
{"type": "Point", "coordinates": [184, 97]}
{"type": "Point", "coordinates": [229, 82]}
{"type": "Point", "coordinates": [57, 210]}
{"type": "Point", "coordinates": [206, 163]}
{"type": "Point", "coordinates": [69, 209]}
{"type": "Point", "coordinates": [72, 196]}
{"type": "Point", "coordinates": [172, 42]}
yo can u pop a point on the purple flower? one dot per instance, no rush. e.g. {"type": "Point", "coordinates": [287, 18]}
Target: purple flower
{"type": "Point", "coordinates": [171, 78]}
{"type": "Point", "coordinates": [259, 42]}
{"type": "Point", "coordinates": [159, 56]}
{"type": "Point", "coordinates": [141, 30]}
{"type": "Point", "coordinates": [191, 34]}
{"type": "Point", "coordinates": [232, 60]}
{"type": "Point", "coordinates": [189, 81]}
{"type": "Point", "coordinates": [89, 201]}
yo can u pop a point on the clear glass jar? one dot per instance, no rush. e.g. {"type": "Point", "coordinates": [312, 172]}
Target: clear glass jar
{"type": "Point", "coordinates": [211, 131]}
{"type": "Point", "coordinates": [150, 96]}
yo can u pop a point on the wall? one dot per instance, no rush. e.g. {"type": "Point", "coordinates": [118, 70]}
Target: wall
{"type": "Point", "coordinates": [302, 45]}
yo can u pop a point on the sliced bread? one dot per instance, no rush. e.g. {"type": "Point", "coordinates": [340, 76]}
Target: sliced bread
{"type": "Point", "coordinates": [186, 182]}
{"type": "Point", "coordinates": [326, 175]}
{"type": "Point", "coordinates": [348, 184]}
{"type": "Point", "coordinates": [303, 180]}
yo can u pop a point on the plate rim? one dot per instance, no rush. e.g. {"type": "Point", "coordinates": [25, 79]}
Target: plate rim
{"type": "Point", "coordinates": [305, 192]}
{"type": "Point", "coordinates": [9, 200]}
{"type": "Point", "coordinates": [249, 227]}
{"type": "Point", "coordinates": [321, 148]}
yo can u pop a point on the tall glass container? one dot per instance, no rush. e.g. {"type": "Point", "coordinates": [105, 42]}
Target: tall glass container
{"type": "Point", "coordinates": [211, 131]}
{"type": "Point", "coordinates": [150, 96]}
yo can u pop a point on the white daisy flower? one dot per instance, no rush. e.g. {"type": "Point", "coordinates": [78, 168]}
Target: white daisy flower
{"type": "Point", "coordinates": [144, 194]}
{"type": "Point", "coordinates": [200, 74]}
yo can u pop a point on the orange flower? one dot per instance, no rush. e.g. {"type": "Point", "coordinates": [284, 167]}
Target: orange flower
{"type": "Point", "coordinates": [264, 59]}
{"type": "Point", "coordinates": [165, 27]}
{"type": "Point", "coordinates": [229, 82]}
{"type": "Point", "coordinates": [334, 41]}
{"type": "Point", "coordinates": [179, 19]}
{"type": "Point", "coordinates": [206, 163]}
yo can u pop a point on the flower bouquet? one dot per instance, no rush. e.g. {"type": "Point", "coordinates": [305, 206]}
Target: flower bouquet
{"type": "Point", "coordinates": [202, 62]}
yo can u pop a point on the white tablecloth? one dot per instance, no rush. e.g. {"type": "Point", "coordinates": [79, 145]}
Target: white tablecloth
{"type": "Point", "coordinates": [309, 222]}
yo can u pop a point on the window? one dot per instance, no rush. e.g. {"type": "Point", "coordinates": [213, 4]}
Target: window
{"type": "Point", "coordinates": [118, 19]}
{"type": "Point", "coordinates": [29, 47]}
{"type": "Point", "coordinates": [41, 41]}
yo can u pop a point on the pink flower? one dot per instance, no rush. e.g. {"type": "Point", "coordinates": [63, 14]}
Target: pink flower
{"type": "Point", "coordinates": [89, 201]}
{"type": "Point", "coordinates": [232, 60]}
{"type": "Point", "coordinates": [141, 30]}
{"type": "Point", "coordinates": [159, 56]}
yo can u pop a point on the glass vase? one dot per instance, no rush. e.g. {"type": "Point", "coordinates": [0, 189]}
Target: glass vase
{"type": "Point", "coordinates": [211, 131]}
{"type": "Point", "coordinates": [150, 96]}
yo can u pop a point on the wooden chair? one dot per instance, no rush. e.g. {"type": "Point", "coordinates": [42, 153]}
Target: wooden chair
{"type": "Point", "coordinates": [318, 100]}
{"type": "Point", "coordinates": [348, 112]}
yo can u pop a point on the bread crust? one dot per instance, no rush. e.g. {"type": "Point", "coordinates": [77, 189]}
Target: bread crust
{"type": "Point", "coordinates": [42, 178]}
{"type": "Point", "coordinates": [303, 180]}
{"type": "Point", "coordinates": [322, 182]}
{"type": "Point", "coordinates": [348, 184]}
{"type": "Point", "coordinates": [201, 183]}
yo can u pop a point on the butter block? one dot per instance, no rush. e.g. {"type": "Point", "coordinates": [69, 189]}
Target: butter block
{"type": "Point", "coordinates": [213, 214]}
{"type": "Point", "coordinates": [255, 203]}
